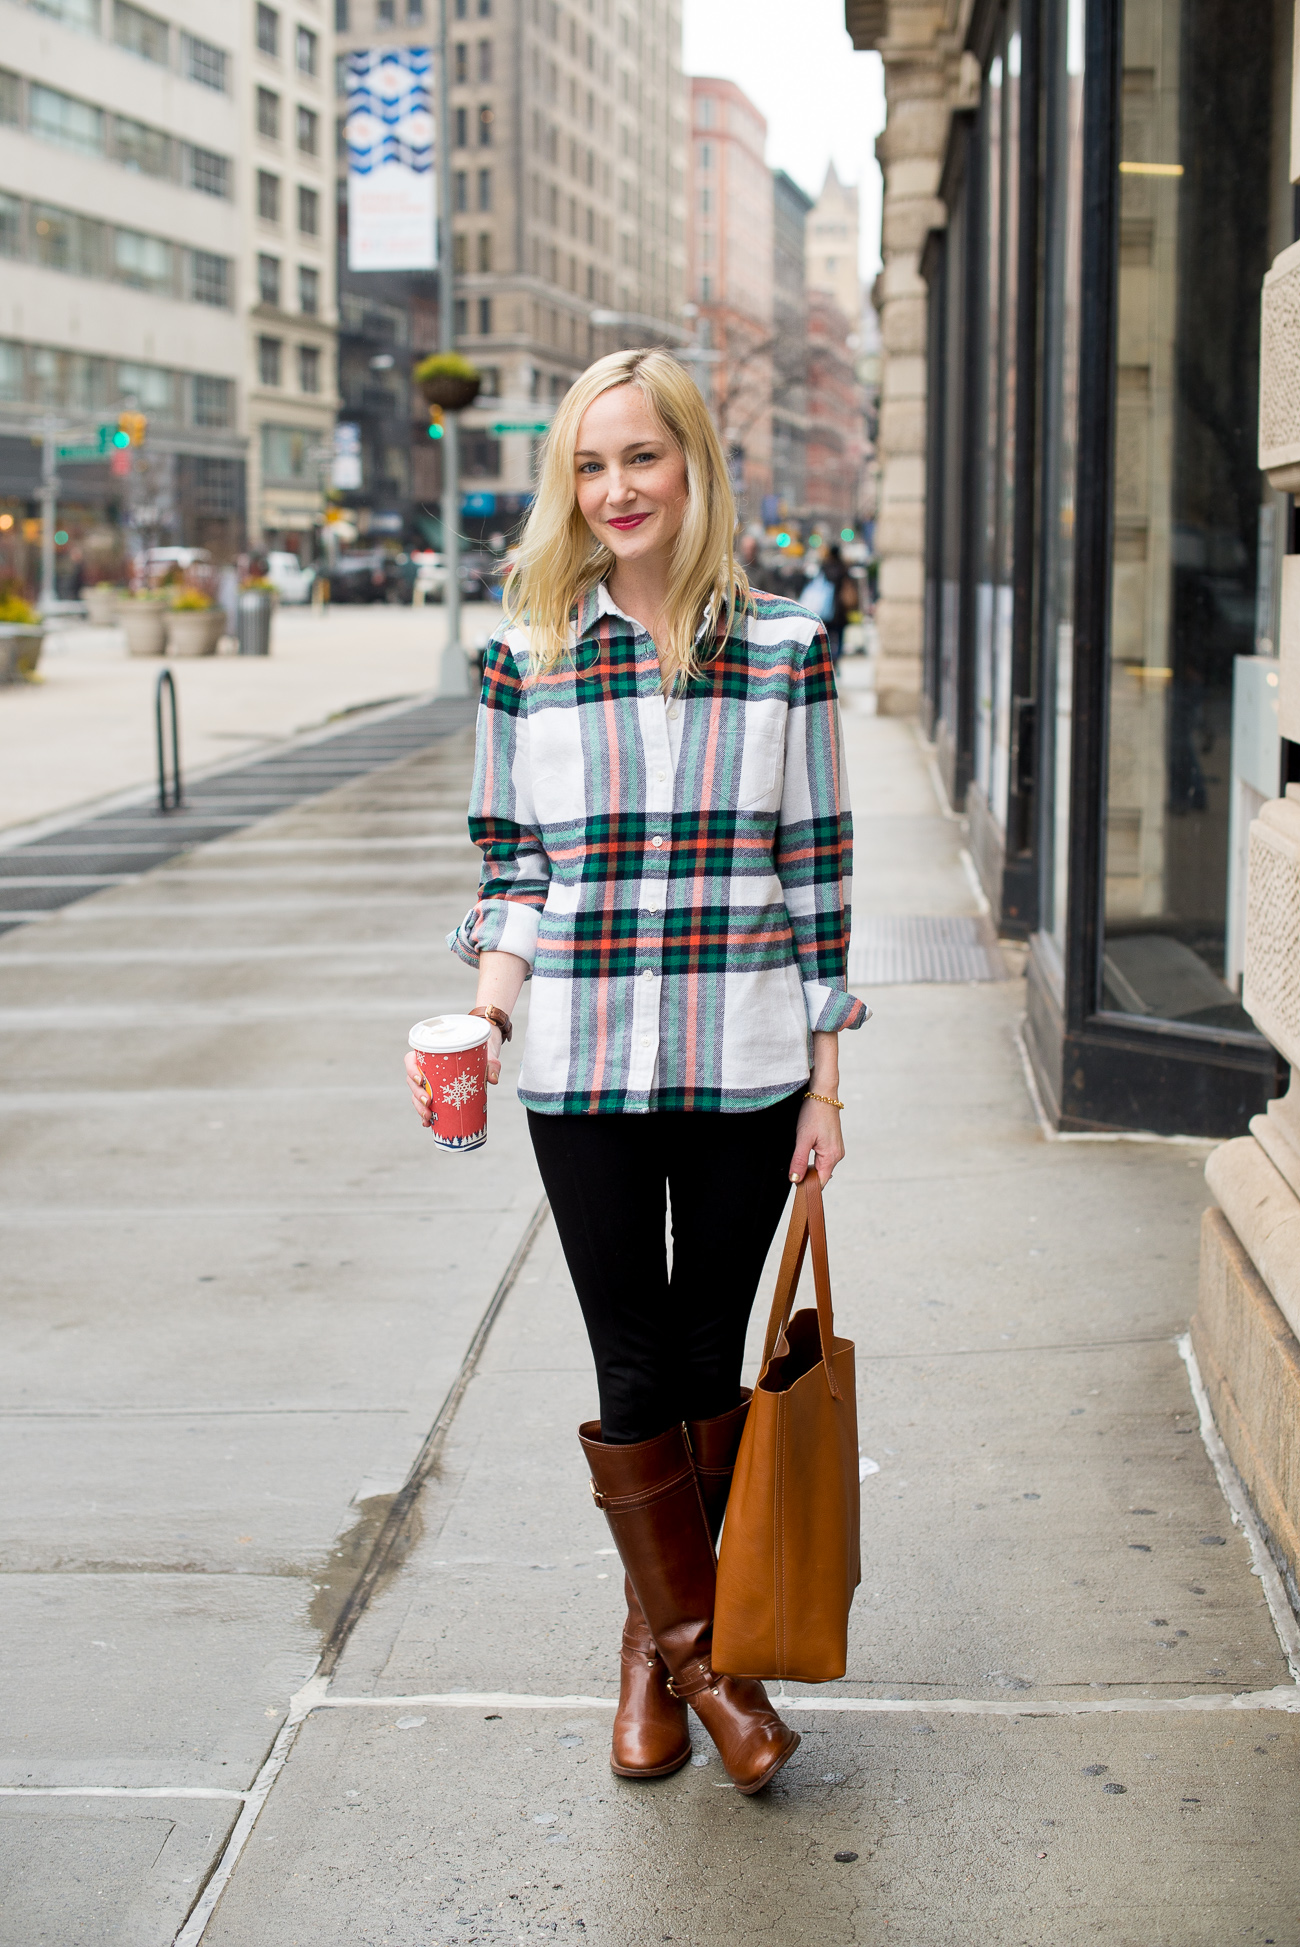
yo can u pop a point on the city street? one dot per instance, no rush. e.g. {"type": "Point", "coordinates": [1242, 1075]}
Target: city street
{"type": "Point", "coordinates": [85, 731]}
{"type": "Point", "coordinates": [244, 1301]}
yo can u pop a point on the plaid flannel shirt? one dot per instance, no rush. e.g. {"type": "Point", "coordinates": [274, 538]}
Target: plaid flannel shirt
{"type": "Point", "coordinates": [687, 928]}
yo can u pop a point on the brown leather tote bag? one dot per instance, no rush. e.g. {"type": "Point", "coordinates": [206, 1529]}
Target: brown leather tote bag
{"type": "Point", "coordinates": [789, 1561]}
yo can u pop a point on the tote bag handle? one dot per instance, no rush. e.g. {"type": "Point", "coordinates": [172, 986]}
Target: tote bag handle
{"type": "Point", "coordinates": [807, 1224]}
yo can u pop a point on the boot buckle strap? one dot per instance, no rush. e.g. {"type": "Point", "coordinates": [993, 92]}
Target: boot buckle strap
{"type": "Point", "coordinates": [645, 1498]}
{"type": "Point", "coordinates": [596, 1494]}
{"type": "Point", "coordinates": [691, 1681]}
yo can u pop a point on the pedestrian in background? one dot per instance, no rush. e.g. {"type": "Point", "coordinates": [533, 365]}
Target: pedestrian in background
{"type": "Point", "coordinates": [844, 601]}
{"type": "Point", "coordinates": [660, 802]}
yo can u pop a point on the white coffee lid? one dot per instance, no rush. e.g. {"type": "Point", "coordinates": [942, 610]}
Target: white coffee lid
{"type": "Point", "coordinates": [447, 1034]}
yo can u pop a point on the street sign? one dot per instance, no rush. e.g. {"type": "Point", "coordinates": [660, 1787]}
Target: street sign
{"type": "Point", "coordinates": [521, 425]}
{"type": "Point", "coordinates": [81, 453]}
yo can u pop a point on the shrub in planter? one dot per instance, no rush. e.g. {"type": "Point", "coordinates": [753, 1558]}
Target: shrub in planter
{"type": "Point", "coordinates": [448, 380]}
{"type": "Point", "coordinates": [195, 624]}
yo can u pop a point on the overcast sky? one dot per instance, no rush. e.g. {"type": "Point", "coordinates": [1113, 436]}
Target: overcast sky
{"type": "Point", "coordinates": [822, 100]}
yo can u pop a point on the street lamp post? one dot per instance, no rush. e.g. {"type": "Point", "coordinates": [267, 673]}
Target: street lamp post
{"type": "Point", "coordinates": [49, 510]}
{"type": "Point", "coordinates": [453, 676]}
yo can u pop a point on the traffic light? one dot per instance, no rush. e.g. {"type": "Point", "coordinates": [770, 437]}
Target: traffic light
{"type": "Point", "coordinates": [437, 422]}
{"type": "Point", "coordinates": [131, 429]}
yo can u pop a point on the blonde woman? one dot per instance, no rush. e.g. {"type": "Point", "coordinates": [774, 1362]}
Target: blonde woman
{"type": "Point", "coordinates": [659, 799]}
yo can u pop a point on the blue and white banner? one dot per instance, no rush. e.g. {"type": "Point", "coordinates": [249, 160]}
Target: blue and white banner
{"type": "Point", "coordinates": [389, 134]}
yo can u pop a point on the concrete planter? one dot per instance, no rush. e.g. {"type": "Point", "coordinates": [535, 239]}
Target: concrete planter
{"type": "Point", "coordinates": [145, 628]}
{"type": "Point", "coordinates": [102, 605]}
{"type": "Point", "coordinates": [20, 649]}
{"type": "Point", "coordinates": [195, 631]}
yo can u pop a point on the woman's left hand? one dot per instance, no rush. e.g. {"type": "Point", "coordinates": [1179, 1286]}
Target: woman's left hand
{"type": "Point", "coordinates": [819, 1130]}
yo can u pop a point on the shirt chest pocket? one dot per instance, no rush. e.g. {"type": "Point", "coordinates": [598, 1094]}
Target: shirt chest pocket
{"type": "Point", "coordinates": [762, 759]}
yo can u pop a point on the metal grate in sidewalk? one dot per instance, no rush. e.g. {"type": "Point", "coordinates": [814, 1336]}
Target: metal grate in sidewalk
{"type": "Point", "coordinates": [45, 873]}
{"type": "Point", "coordinates": [897, 952]}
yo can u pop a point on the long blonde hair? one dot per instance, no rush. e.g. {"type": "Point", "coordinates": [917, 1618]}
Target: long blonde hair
{"type": "Point", "coordinates": [560, 559]}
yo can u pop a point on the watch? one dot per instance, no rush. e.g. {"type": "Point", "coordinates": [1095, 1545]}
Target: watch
{"type": "Point", "coordinates": [498, 1017]}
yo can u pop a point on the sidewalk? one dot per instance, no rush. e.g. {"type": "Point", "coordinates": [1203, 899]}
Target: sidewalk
{"type": "Point", "coordinates": [1037, 1742]}
{"type": "Point", "coordinates": [86, 730]}
{"type": "Point", "coordinates": [239, 1289]}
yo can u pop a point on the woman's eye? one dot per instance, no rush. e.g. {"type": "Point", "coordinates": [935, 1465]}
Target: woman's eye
{"type": "Point", "coordinates": [651, 457]}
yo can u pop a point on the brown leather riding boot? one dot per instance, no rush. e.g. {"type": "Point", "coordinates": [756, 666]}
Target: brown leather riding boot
{"type": "Point", "coordinates": [651, 1499]}
{"type": "Point", "coordinates": [652, 1737]}
{"type": "Point", "coordinates": [714, 1444]}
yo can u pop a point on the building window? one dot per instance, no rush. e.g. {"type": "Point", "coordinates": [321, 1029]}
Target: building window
{"type": "Point", "coordinates": [308, 131]}
{"type": "Point", "coordinates": [485, 189]}
{"type": "Point", "coordinates": [705, 106]}
{"type": "Point", "coordinates": [460, 127]}
{"type": "Point", "coordinates": [309, 368]}
{"type": "Point", "coordinates": [706, 290]}
{"type": "Point", "coordinates": [286, 454]}
{"type": "Point", "coordinates": [460, 253]}
{"type": "Point", "coordinates": [415, 9]}
{"type": "Point", "coordinates": [146, 150]}
{"type": "Point", "coordinates": [268, 281]}
{"type": "Point", "coordinates": [209, 173]}
{"type": "Point", "coordinates": [461, 317]}
{"type": "Point", "coordinates": [204, 63]}
{"type": "Point", "coordinates": [11, 227]}
{"type": "Point", "coordinates": [151, 388]}
{"type": "Point", "coordinates": [485, 127]}
{"type": "Point", "coordinates": [64, 241]}
{"type": "Point", "coordinates": [308, 291]}
{"type": "Point", "coordinates": [144, 262]}
{"type": "Point", "coordinates": [485, 317]}
{"type": "Point", "coordinates": [213, 401]}
{"type": "Point", "coordinates": [142, 33]}
{"type": "Point", "coordinates": [387, 12]}
{"type": "Point", "coordinates": [269, 353]}
{"type": "Point", "coordinates": [268, 114]}
{"type": "Point", "coordinates": [268, 196]}
{"type": "Point", "coordinates": [81, 15]}
{"type": "Point", "coordinates": [210, 278]}
{"type": "Point", "coordinates": [462, 9]}
{"type": "Point", "coordinates": [480, 455]}
{"type": "Point", "coordinates": [341, 21]}
{"type": "Point", "coordinates": [461, 58]}
{"type": "Point", "coordinates": [706, 155]}
{"type": "Point", "coordinates": [485, 250]}
{"type": "Point", "coordinates": [485, 9]}
{"type": "Point", "coordinates": [308, 211]}
{"type": "Point", "coordinates": [58, 118]}
{"type": "Point", "coordinates": [460, 189]}
{"type": "Point", "coordinates": [268, 31]}
{"type": "Point", "coordinates": [485, 60]}
{"type": "Point", "coordinates": [308, 50]}
{"type": "Point", "coordinates": [11, 98]}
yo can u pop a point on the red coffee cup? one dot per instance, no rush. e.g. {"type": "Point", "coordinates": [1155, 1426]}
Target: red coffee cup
{"type": "Point", "coordinates": [451, 1051]}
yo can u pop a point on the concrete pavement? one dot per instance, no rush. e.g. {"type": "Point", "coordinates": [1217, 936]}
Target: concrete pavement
{"type": "Point", "coordinates": [1067, 1715]}
{"type": "Point", "coordinates": [85, 731]}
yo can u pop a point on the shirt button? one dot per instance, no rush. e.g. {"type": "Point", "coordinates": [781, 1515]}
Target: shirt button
{"type": "Point", "coordinates": [652, 910]}
{"type": "Point", "coordinates": [645, 1040]}
{"type": "Point", "coordinates": [660, 776]}
{"type": "Point", "coordinates": [646, 974]}
{"type": "Point", "coordinates": [656, 842]}
{"type": "Point", "coordinates": [673, 715]}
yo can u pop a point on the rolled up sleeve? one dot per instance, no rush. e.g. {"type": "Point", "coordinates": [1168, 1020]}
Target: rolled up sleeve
{"type": "Point", "coordinates": [814, 844]}
{"type": "Point", "coordinates": [516, 871]}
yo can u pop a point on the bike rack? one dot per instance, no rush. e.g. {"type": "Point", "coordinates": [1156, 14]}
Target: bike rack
{"type": "Point", "coordinates": [169, 796]}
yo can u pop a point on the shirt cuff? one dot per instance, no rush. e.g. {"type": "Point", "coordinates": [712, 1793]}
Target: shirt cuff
{"type": "Point", "coordinates": [830, 1009]}
{"type": "Point", "coordinates": [502, 926]}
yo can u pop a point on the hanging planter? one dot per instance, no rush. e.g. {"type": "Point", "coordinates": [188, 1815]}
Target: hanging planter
{"type": "Point", "coordinates": [448, 380]}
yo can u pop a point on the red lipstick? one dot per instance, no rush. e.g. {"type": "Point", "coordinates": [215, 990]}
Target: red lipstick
{"type": "Point", "coordinates": [626, 521]}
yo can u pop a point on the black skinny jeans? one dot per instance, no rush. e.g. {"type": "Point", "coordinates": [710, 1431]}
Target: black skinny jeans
{"type": "Point", "coordinates": [666, 1349]}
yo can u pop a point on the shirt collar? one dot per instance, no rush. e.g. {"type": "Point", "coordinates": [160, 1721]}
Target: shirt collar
{"type": "Point", "coordinates": [598, 603]}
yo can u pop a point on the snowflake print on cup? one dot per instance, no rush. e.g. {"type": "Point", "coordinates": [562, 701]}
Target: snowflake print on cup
{"type": "Point", "coordinates": [451, 1050]}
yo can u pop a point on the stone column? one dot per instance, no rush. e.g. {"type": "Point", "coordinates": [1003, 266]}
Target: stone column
{"type": "Point", "coordinates": [1247, 1325]}
{"type": "Point", "coordinates": [919, 42]}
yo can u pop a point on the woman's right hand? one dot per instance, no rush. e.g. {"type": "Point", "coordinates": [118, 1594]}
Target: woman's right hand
{"type": "Point", "coordinates": [420, 1088]}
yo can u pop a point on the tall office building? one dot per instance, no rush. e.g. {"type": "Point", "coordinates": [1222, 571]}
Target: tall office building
{"type": "Point", "coordinates": [732, 277]}
{"type": "Point", "coordinates": [123, 210]}
{"type": "Point", "coordinates": [833, 227]}
{"type": "Point", "coordinates": [790, 208]}
{"type": "Point", "coordinates": [567, 157]}
{"type": "Point", "coordinates": [286, 197]}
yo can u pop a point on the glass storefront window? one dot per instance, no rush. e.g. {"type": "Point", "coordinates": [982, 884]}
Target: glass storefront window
{"type": "Point", "coordinates": [1194, 243]}
{"type": "Point", "coordinates": [1063, 233]}
{"type": "Point", "coordinates": [999, 149]}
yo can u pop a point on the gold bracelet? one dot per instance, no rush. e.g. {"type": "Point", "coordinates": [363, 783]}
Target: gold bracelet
{"type": "Point", "coordinates": [811, 1095]}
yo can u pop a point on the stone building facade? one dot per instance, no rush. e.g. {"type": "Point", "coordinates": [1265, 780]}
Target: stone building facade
{"type": "Point", "coordinates": [926, 77]}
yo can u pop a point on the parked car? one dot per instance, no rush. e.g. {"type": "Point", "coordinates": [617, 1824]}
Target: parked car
{"type": "Point", "coordinates": [430, 575]}
{"type": "Point", "coordinates": [292, 582]}
{"type": "Point", "coordinates": [369, 577]}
